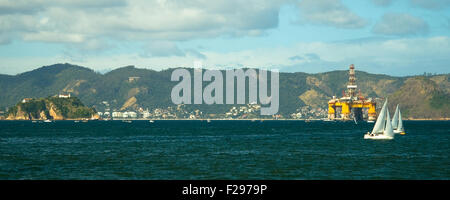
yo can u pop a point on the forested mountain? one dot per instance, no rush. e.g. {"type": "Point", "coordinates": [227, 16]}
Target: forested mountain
{"type": "Point", "coordinates": [130, 88]}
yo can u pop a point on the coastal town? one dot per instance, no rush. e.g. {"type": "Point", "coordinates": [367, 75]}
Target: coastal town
{"type": "Point", "coordinates": [181, 111]}
{"type": "Point", "coordinates": [247, 111]}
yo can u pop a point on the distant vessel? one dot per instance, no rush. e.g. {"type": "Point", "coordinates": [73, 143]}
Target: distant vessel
{"type": "Point", "coordinates": [47, 121]}
{"type": "Point", "coordinates": [127, 121]}
{"type": "Point", "coordinates": [397, 122]}
{"type": "Point", "coordinates": [151, 121]}
{"type": "Point", "coordinates": [370, 121]}
{"type": "Point", "coordinates": [351, 103]}
{"type": "Point", "coordinates": [383, 127]}
{"type": "Point", "coordinates": [208, 120]}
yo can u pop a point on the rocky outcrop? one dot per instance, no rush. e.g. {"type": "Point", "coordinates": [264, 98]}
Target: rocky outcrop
{"type": "Point", "coordinates": [51, 108]}
{"type": "Point", "coordinates": [130, 103]}
{"type": "Point", "coordinates": [43, 116]}
{"type": "Point", "coordinates": [18, 115]}
{"type": "Point", "coordinates": [54, 114]}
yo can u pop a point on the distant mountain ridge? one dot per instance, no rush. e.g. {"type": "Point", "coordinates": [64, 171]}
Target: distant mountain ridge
{"type": "Point", "coordinates": [129, 88]}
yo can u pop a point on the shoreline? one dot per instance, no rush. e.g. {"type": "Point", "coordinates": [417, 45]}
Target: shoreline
{"type": "Point", "coordinates": [256, 119]}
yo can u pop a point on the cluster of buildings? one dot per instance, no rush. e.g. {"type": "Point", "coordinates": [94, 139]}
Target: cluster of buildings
{"type": "Point", "coordinates": [124, 114]}
{"type": "Point", "coordinates": [251, 110]}
{"type": "Point", "coordinates": [308, 112]}
{"type": "Point", "coordinates": [248, 111]}
{"type": "Point", "coordinates": [61, 96]}
{"type": "Point", "coordinates": [171, 112]}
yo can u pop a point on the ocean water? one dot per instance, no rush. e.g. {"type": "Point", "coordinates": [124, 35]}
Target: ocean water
{"type": "Point", "coordinates": [220, 150]}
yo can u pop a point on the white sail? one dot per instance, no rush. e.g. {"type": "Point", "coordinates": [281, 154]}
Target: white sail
{"type": "Point", "coordinates": [400, 123]}
{"type": "Point", "coordinates": [380, 124]}
{"type": "Point", "coordinates": [395, 118]}
{"type": "Point", "coordinates": [388, 131]}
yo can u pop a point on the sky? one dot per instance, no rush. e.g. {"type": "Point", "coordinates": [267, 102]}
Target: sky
{"type": "Point", "coordinates": [395, 37]}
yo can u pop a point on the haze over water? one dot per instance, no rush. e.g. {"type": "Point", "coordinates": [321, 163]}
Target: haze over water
{"type": "Point", "coordinates": [220, 150]}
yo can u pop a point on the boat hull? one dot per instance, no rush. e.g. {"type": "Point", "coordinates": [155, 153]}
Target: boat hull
{"type": "Point", "coordinates": [377, 137]}
{"type": "Point", "coordinates": [399, 132]}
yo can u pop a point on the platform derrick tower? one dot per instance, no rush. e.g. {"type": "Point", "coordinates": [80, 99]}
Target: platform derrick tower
{"type": "Point", "coordinates": [351, 87]}
{"type": "Point", "coordinates": [350, 106]}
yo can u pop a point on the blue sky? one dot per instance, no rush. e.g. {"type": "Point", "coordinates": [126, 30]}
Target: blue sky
{"type": "Point", "coordinates": [397, 37]}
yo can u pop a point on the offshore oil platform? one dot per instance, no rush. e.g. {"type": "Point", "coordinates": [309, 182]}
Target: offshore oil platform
{"type": "Point", "coordinates": [350, 106]}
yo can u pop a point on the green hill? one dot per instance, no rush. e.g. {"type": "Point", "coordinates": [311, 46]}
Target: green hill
{"type": "Point", "coordinates": [421, 97]}
{"type": "Point", "coordinates": [129, 88]}
{"type": "Point", "coordinates": [50, 108]}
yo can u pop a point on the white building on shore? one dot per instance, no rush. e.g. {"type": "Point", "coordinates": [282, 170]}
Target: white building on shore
{"type": "Point", "coordinates": [117, 115]}
{"type": "Point", "coordinates": [64, 96]}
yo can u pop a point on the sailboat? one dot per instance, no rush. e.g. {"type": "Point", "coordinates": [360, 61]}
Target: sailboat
{"type": "Point", "coordinates": [383, 128]}
{"type": "Point", "coordinates": [397, 122]}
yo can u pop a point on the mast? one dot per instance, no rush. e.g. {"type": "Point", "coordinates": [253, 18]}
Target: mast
{"type": "Point", "coordinates": [381, 120]}
{"type": "Point", "coordinates": [395, 118]}
{"type": "Point", "coordinates": [388, 131]}
{"type": "Point", "coordinates": [400, 122]}
{"type": "Point", "coordinates": [351, 87]}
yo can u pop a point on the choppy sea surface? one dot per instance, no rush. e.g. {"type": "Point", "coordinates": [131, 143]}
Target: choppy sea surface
{"type": "Point", "coordinates": [220, 150]}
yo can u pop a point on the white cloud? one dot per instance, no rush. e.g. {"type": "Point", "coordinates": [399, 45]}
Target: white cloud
{"type": "Point", "coordinates": [162, 49]}
{"type": "Point", "coordinates": [157, 27]}
{"type": "Point", "coordinates": [195, 53]}
{"type": "Point", "coordinates": [400, 24]}
{"type": "Point", "coordinates": [136, 20]}
{"type": "Point", "coordinates": [46, 36]}
{"type": "Point", "coordinates": [31, 7]}
{"type": "Point", "coordinates": [431, 4]}
{"type": "Point", "coordinates": [87, 26]}
{"type": "Point", "coordinates": [329, 12]}
{"type": "Point", "coordinates": [382, 3]}
{"type": "Point", "coordinates": [389, 56]}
